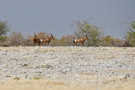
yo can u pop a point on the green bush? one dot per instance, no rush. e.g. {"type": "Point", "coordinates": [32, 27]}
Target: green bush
{"type": "Point", "coordinates": [130, 34]}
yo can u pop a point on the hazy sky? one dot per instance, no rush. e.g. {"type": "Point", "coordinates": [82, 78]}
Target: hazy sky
{"type": "Point", "coordinates": [56, 16]}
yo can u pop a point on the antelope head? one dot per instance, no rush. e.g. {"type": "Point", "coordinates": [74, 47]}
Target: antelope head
{"type": "Point", "coordinates": [52, 37]}
{"type": "Point", "coordinates": [35, 35]}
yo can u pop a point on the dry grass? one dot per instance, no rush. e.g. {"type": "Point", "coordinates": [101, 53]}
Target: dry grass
{"type": "Point", "coordinates": [59, 85]}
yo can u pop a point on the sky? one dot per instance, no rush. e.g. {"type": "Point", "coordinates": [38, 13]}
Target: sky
{"type": "Point", "coordinates": [57, 16]}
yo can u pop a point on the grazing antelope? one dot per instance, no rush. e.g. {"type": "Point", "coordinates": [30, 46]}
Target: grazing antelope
{"type": "Point", "coordinates": [80, 40]}
{"type": "Point", "coordinates": [36, 40]}
{"type": "Point", "coordinates": [47, 40]}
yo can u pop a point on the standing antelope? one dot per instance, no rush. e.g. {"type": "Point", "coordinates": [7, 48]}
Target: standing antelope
{"type": "Point", "coordinates": [80, 40]}
{"type": "Point", "coordinates": [36, 40]}
{"type": "Point", "coordinates": [47, 40]}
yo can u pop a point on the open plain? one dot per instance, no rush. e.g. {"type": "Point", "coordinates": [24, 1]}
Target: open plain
{"type": "Point", "coordinates": [67, 68]}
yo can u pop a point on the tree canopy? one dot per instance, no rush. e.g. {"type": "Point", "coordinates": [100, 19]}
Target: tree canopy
{"type": "Point", "coordinates": [3, 28]}
{"type": "Point", "coordinates": [130, 34]}
{"type": "Point", "coordinates": [93, 32]}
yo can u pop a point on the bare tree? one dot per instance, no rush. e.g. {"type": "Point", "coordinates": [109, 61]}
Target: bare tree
{"type": "Point", "coordinates": [15, 39]}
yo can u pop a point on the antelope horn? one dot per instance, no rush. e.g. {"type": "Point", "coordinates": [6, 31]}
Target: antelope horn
{"type": "Point", "coordinates": [51, 34]}
{"type": "Point", "coordinates": [35, 35]}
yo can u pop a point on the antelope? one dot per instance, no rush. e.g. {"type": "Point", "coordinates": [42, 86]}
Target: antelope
{"type": "Point", "coordinates": [80, 40]}
{"type": "Point", "coordinates": [36, 40]}
{"type": "Point", "coordinates": [47, 40]}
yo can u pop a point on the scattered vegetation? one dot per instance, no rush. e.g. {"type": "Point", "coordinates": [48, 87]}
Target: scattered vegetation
{"type": "Point", "coordinates": [16, 78]}
{"type": "Point", "coordinates": [37, 78]}
{"type": "Point", "coordinates": [95, 36]}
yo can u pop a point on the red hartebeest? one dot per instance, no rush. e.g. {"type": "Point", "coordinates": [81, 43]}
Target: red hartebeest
{"type": "Point", "coordinates": [80, 40]}
{"type": "Point", "coordinates": [47, 40]}
{"type": "Point", "coordinates": [37, 40]}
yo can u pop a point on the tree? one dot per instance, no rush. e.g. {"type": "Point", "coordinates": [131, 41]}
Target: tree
{"type": "Point", "coordinates": [107, 41]}
{"type": "Point", "coordinates": [92, 31]}
{"type": "Point", "coordinates": [3, 28]}
{"type": "Point", "coordinates": [67, 40]}
{"type": "Point", "coordinates": [3, 31]}
{"type": "Point", "coordinates": [130, 34]}
{"type": "Point", "coordinates": [15, 39]}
